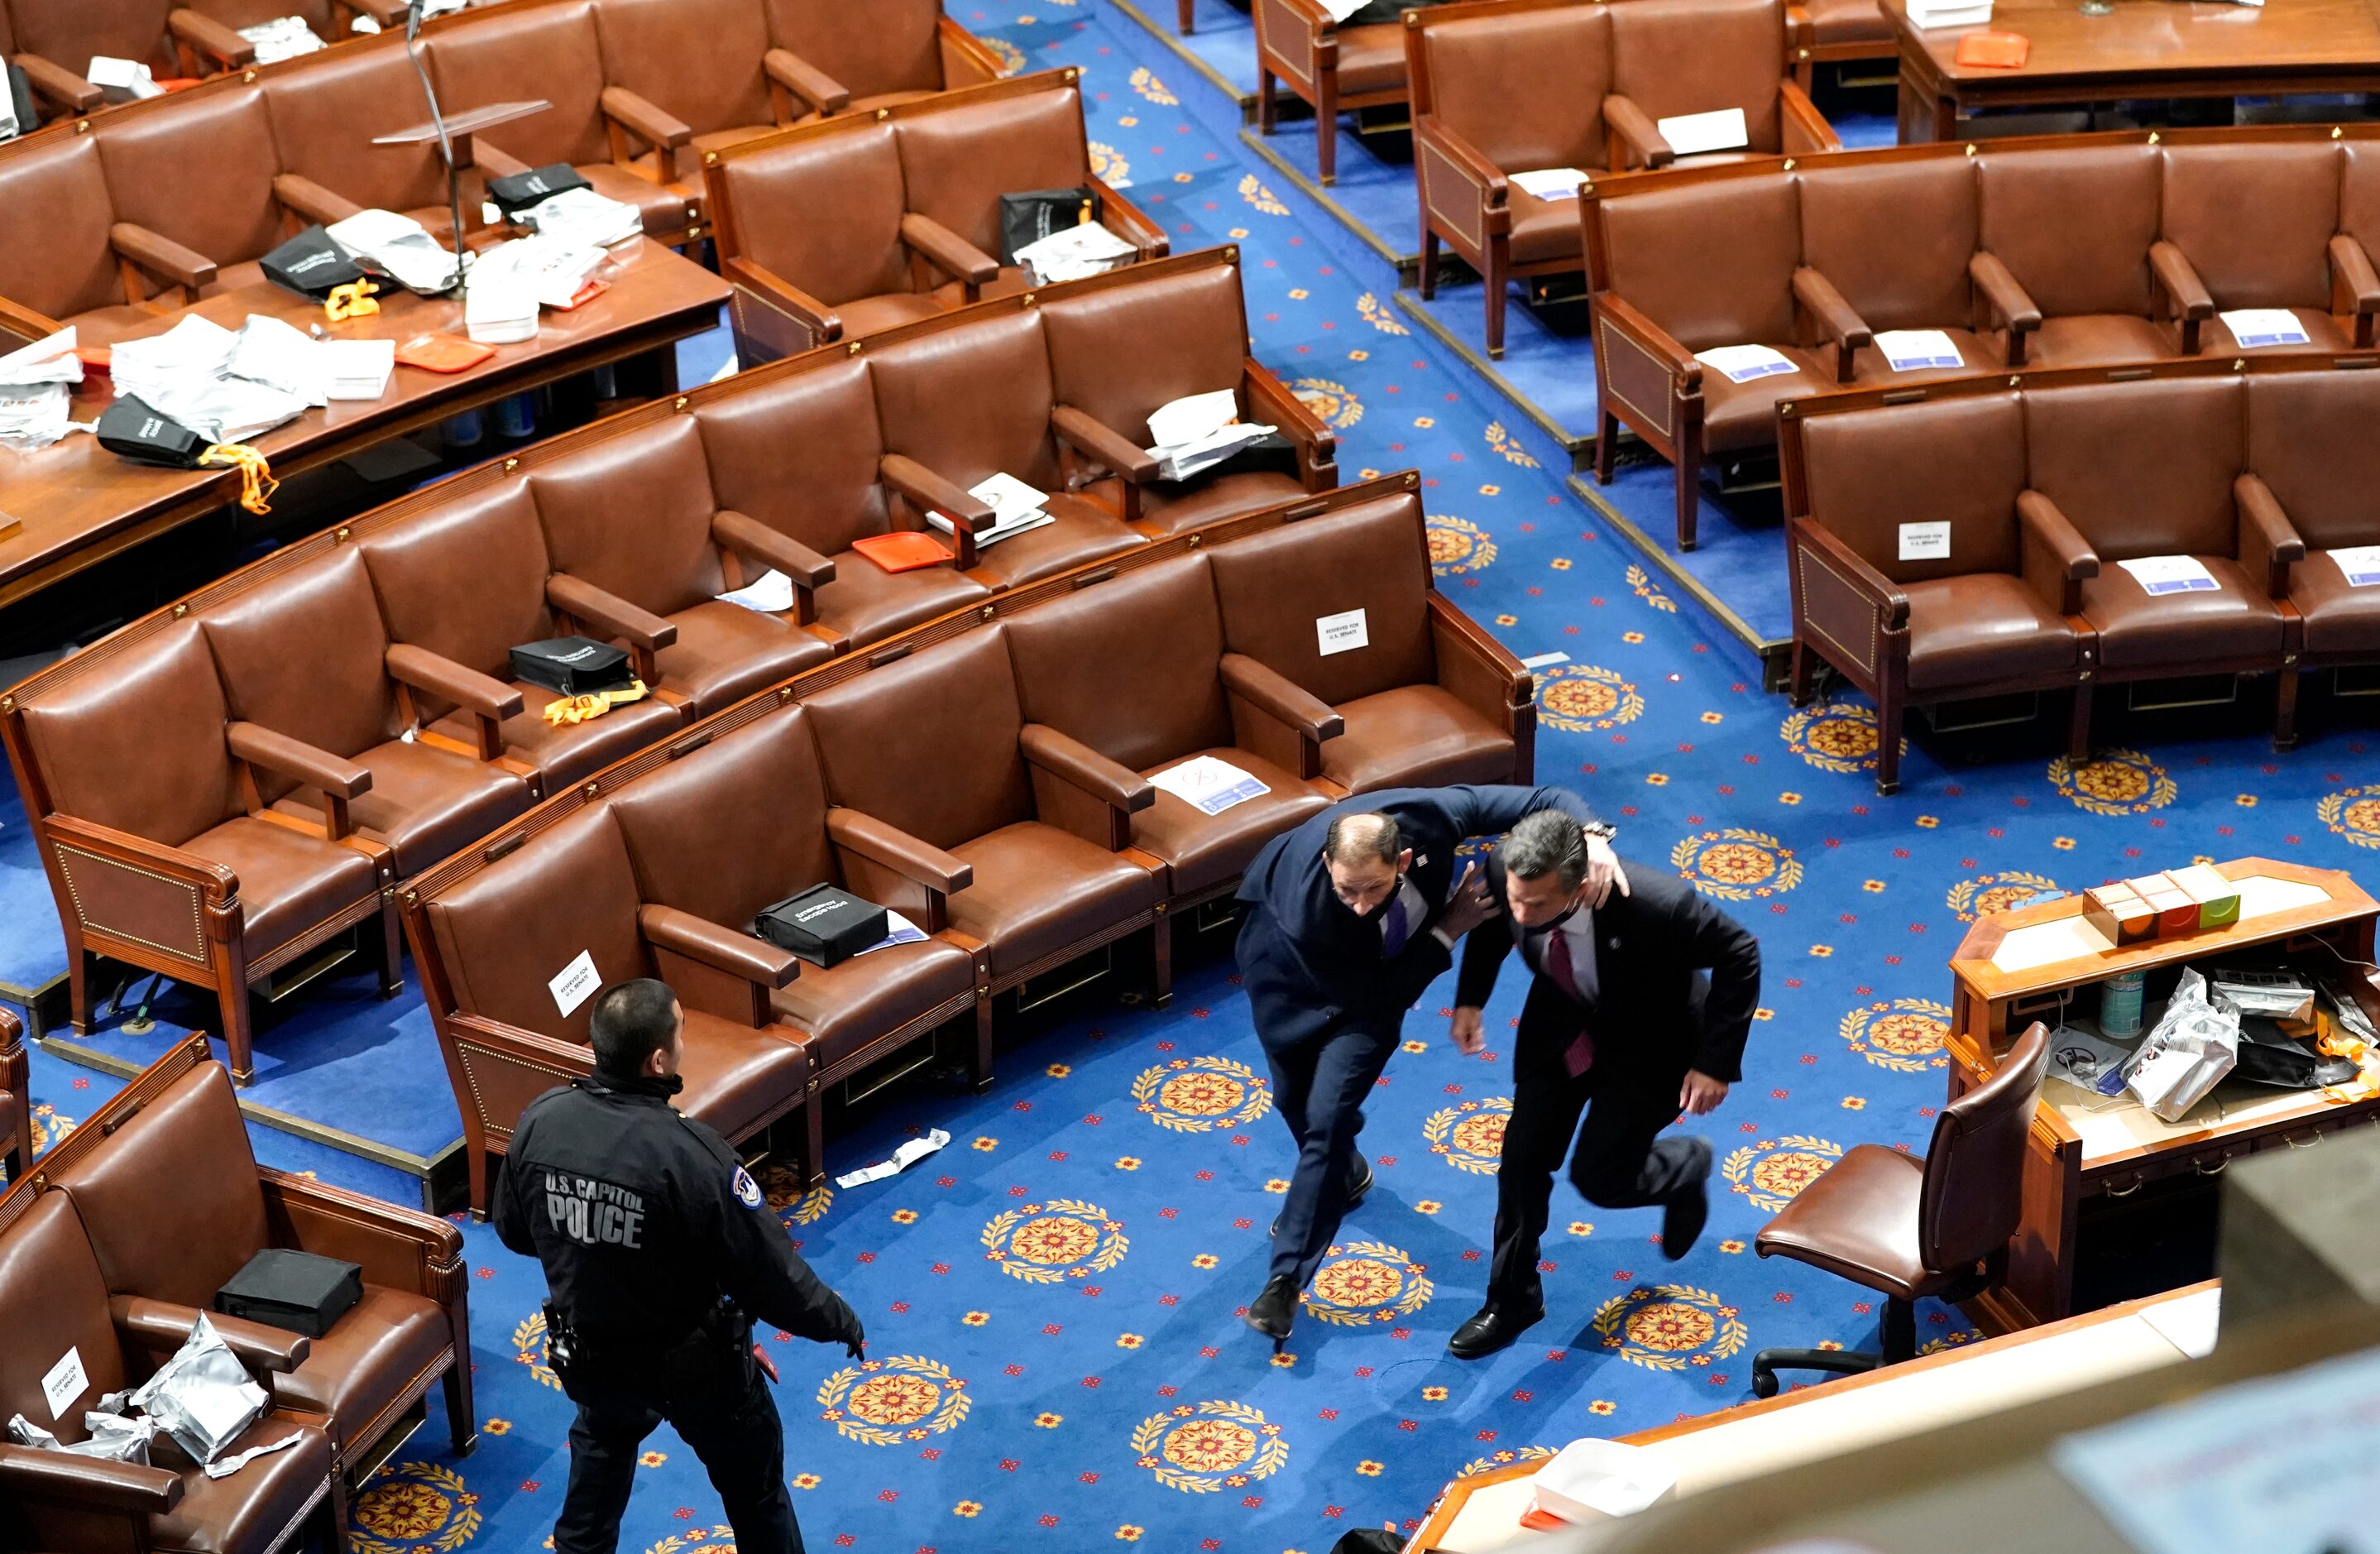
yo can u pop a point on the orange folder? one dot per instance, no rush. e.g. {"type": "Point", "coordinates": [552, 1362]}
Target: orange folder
{"type": "Point", "coordinates": [2005, 51]}
{"type": "Point", "coordinates": [442, 353]}
{"type": "Point", "coordinates": [903, 550]}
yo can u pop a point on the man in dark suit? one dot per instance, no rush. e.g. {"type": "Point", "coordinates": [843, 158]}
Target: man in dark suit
{"type": "Point", "coordinates": [1638, 1013]}
{"type": "Point", "coordinates": [1351, 916]}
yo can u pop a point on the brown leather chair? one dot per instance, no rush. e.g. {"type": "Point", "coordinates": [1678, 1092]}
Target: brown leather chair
{"type": "Point", "coordinates": [1993, 616]}
{"type": "Point", "coordinates": [850, 227]}
{"type": "Point", "coordinates": [1913, 1228]}
{"type": "Point", "coordinates": [175, 1204]}
{"type": "Point", "coordinates": [678, 103]}
{"type": "Point", "coordinates": [2315, 468]}
{"type": "Point", "coordinates": [640, 548]}
{"type": "Point", "coordinates": [490, 946]}
{"type": "Point", "coordinates": [325, 115]}
{"type": "Point", "coordinates": [16, 1099]}
{"type": "Point", "coordinates": [54, 1298]}
{"type": "Point", "coordinates": [151, 822]}
{"type": "Point", "coordinates": [833, 58]}
{"type": "Point", "coordinates": [58, 90]}
{"type": "Point", "coordinates": [62, 37]}
{"type": "Point", "coordinates": [2290, 254]}
{"type": "Point", "coordinates": [2064, 271]}
{"type": "Point", "coordinates": [1838, 31]}
{"type": "Point", "coordinates": [1331, 67]}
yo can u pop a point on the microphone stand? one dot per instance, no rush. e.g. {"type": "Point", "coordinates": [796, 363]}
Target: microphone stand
{"type": "Point", "coordinates": [445, 148]}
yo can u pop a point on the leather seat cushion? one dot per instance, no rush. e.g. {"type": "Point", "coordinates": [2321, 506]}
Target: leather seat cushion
{"type": "Point", "coordinates": [369, 1363]}
{"type": "Point", "coordinates": [868, 315]}
{"type": "Point", "coordinates": [866, 603]}
{"type": "Point", "coordinates": [1858, 1222]}
{"type": "Point", "coordinates": [2094, 340]}
{"type": "Point", "coordinates": [848, 1005]}
{"type": "Point", "coordinates": [1201, 850]}
{"type": "Point", "coordinates": [1740, 416]}
{"type": "Point", "coordinates": [288, 882]}
{"type": "Point", "coordinates": [662, 205]}
{"type": "Point", "coordinates": [1171, 507]}
{"type": "Point", "coordinates": [1981, 628]}
{"type": "Point", "coordinates": [425, 803]}
{"type": "Point", "coordinates": [2323, 333]}
{"type": "Point", "coordinates": [737, 1077]}
{"type": "Point", "coordinates": [1849, 21]}
{"type": "Point", "coordinates": [1415, 736]}
{"type": "Point", "coordinates": [2181, 631]}
{"type": "Point", "coordinates": [1869, 369]}
{"type": "Point", "coordinates": [565, 754]}
{"type": "Point", "coordinates": [1544, 231]}
{"type": "Point", "coordinates": [1038, 890]}
{"type": "Point", "coordinates": [1371, 58]}
{"type": "Point", "coordinates": [2339, 620]}
{"type": "Point", "coordinates": [247, 1513]}
{"type": "Point", "coordinates": [1084, 532]}
{"type": "Point", "coordinates": [725, 652]}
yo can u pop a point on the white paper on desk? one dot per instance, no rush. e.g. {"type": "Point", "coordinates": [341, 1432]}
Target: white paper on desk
{"type": "Point", "coordinates": [909, 1154]}
{"type": "Point", "coordinates": [584, 217]}
{"type": "Point", "coordinates": [898, 930]}
{"type": "Point", "coordinates": [50, 360]}
{"type": "Point", "coordinates": [1550, 183]}
{"type": "Point", "coordinates": [1742, 364]}
{"type": "Point", "coordinates": [124, 81]}
{"type": "Point", "coordinates": [1915, 350]}
{"type": "Point", "coordinates": [399, 245]}
{"type": "Point", "coordinates": [552, 267]}
{"type": "Point", "coordinates": [2280, 1462]}
{"type": "Point", "coordinates": [281, 38]}
{"type": "Point", "coordinates": [34, 417]}
{"type": "Point", "coordinates": [501, 311]}
{"type": "Point", "coordinates": [2164, 574]}
{"type": "Point", "coordinates": [1722, 129]}
{"type": "Point", "coordinates": [2361, 564]}
{"type": "Point", "coordinates": [770, 593]}
{"type": "Point", "coordinates": [2252, 327]}
{"type": "Point", "coordinates": [2187, 1322]}
{"type": "Point", "coordinates": [1073, 253]}
{"type": "Point", "coordinates": [357, 368]}
{"type": "Point", "coordinates": [1207, 785]}
{"type": "Point", "coordinates": [1342, 9]}
{"type": "Point", "coordinates": [270, 352]}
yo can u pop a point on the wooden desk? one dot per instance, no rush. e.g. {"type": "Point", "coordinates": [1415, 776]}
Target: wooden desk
{"type": "Point", "coordinates": [79, 504]}
{"type": "Point", "coordinates": [2147, 48]}
{"type": "Point", "coordinates": [1481, 1515]}
{"type": "Point", "coordinates": [2043, 963]}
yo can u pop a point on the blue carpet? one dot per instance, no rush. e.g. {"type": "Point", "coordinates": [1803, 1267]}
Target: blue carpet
{"type": "Point", "coordinates": [1053, 1298]}
{"type": "Point", "coordinates": [32, 949]}
{"type": "Point", "coordinates": [1225, 42]}
{"type": "Point", "coordinates": [1739, 541]}
{"type": "Point", "coordinates": [1547, 368]}
{"type": "Point", "coordinates": [1374, 191]}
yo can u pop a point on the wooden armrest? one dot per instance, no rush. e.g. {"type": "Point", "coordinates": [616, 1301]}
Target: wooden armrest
{"type": "Point", "coordinates": [947, 251]}
{"type": "Point", "coordinates": [1652, 339]}
{"type": "Point", "coordinates": [1271, 404]}
{"type": "Point", "coordinates": [609, 612]}
{"type": "Point", "coordinates": [162, 256]}
{"type": "Point", "coordinates": [1464, 157]}
{"type": "Point", "coordinates": [1131, 222]}
{"type": "Point", "coordinates": [310, 200]}
{"type": "Point", "coordinates": [1273, 693]}
{"type": "Point", "coordinates": [822, 324]}
{"type": "Point", "coordinates": [211, 38]}
{"type": "Point", "coordinates": [881, 843]}
{"type": "Point", "coordinates": [1806, 128]}
{"type": "Point", "coordinates": [162, 1325]}
{"type": "Point", "coordinates": [2353, 267]}
{"type": "Point", "coordinates": [2269, 543]}
{"type": "Point", "coordinates": [297, 761]}
{"type": "Point", "coordinates": [1634, 127]}
{"type": "Point", "coordinates": [2055, 558]}
{"type": "Point", "coordinates": [401, 1248]}
{"type": "Point", "coordinates": [722, 949]}
{"type": "Point", "coordinates": [928, 492]}
{"type": "Point", "coordinates": [56, 84]}
{"type": "Point", "coordinates": [750, 538]}
{"type": "Point", "coordinates": [1072, 761]}
{"type": "Point", "coordinates": [1096, 440]}
{"type": "Point", "coordinates": [1837, 319]}
{"type": "Point", "coordinates": [807, 81]}
{"type": "Point", "coordinates": [2006, 300]}
{"type": "Point", "coordinates": [643, 120]}
{"type": "Point", "coordinates": [2179, 279]}
{"type": "Point", "coordinates": [176, 865]}
{"type": "Point", "coordinates": [1878, 589]}
{"type": "Point", "coordinates": [26, 324]}
{"type": "Point", "coordinates": [441, 676]}
{"type": "Point", "coordinates": [63, 1478]}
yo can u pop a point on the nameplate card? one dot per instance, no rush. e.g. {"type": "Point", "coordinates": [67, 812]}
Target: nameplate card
{"type": "Point", "coordinates": [1929, 541]}
{"type": "Point", "coordinates": [65, 1383]}
{"type": "Point", "coordinates": [1342, 633]}
{"type": "Point", "coordinates": [576, 984]}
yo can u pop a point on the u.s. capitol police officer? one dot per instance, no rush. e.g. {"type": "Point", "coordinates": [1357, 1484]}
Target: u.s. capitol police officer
{"type": "Point", "coordinates": [660, 1253]}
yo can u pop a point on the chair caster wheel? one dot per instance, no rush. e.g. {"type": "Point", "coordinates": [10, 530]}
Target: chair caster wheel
{"type": "Point", "coordinates": [1764, 1382]}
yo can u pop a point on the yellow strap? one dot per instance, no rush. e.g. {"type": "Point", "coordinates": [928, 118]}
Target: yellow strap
{"type": "Point", "coordinates": [255, 482]}
{"type": "Point", "coordinates": [351, 301]}
{"type": "Point", "coordinates": [594, 704]}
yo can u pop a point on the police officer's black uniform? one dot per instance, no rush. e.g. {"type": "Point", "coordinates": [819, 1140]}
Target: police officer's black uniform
{"type": "Point", "coordinates": [659, 1252]}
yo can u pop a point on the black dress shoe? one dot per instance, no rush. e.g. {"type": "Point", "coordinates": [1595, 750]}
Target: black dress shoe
{"type": "Point", "coordinates": [1275, 1310]}
{"type": "Point", "coordinates": [1683, 1217]}
{"type": "Point", "coordinates": [1356, 1192]}
{"type": "Point", "coordinates": [1493, 1327]}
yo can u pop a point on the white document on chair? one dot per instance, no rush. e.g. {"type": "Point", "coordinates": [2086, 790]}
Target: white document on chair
{"type": "Point", "coordinates": [1742, 364]}
{"type": "Point", "coordinates": [1342, 9]}
{"type": "Point", "coordinates": [1208, 785]}
{"type": "Point", "coordinates": [1551, 183]}
{"type": "Point", "coordinates": [1925, 541]}
{"type": "Point", "coordinates": [2164, 574]}
{"type": "Point", "coordinates": [771, 593]}
{"type": "Point", "coordinates": [1722, 129]}
{"type": "Point", "coordinates": [1917, 350]}
{"type": "Point", "coordinates": [2361, 564]}
{"type": "Point", "coordinates": [2252, 327]}
{"type": "Point", "coordinates": [575, 984]}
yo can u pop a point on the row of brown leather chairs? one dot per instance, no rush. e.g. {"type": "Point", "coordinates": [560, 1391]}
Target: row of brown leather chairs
{"type": "Point", "coordinates": [163, 202]}
{"type": "Point", "coordinates": [2052, 251]}
{"type": "Point", "coordinates": [988, 776]}
{"type": "Point", "coordinates": [1517, 86]}
{"type": "Point", "coordinates": [859, 224]}
{"type": "Point", "coordinates": [2261, 477]}
{"type": "Point", "coordinates": [119, 1238]}
{"type": "Point", "coordinates": [233, 783]}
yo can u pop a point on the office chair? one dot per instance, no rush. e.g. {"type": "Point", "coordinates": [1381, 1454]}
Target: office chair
{"type": "Point", "coordinates": [1907, 1227]}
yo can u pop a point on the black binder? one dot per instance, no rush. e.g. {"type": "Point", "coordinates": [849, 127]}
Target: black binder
{"type": "Point", "coordinates": [573, 665]}
{"type": "Point", "coordinates": [294, 1290]}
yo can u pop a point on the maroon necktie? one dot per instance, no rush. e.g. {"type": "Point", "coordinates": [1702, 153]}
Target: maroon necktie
{"type": "Point", "coordinates": [1579, 1056]}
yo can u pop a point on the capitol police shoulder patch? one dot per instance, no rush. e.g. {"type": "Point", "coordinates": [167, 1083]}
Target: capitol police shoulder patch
{"type": "Point", "coordinates": [748, 1191]}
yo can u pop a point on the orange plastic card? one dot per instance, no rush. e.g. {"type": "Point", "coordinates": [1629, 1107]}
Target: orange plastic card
{"type": "Point", "coordinates": [587, 293]}
{"type": "Point", "coordinates": [442, 353]}
{"type": "Point", "coordinates": [903, 550]}
{"type": "Point", "coordinates": [2004, 50]}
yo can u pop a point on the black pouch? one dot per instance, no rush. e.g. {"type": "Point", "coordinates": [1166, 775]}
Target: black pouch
{"type": "Point", "coordinates": [1032, 214]}
{"type": "Point", "coordinates": [20, 99]}
{"type": "Point", "coordinates": [294, 1290]}
{"type": "Point", "coordinates": [517, 192]}
{"type": "Point", "coordinates": [311, 264]}
{"type": "Point", "coordinates": [2270, 1056]}
{"type": "Point", "coordinates": [573, 665]}
{"type": "Point", "coordinates": [822, 925]}
{"type": "Point", "coordinates": [130, 430]}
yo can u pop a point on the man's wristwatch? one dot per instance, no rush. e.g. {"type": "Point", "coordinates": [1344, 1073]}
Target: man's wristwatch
{"type": "Point", "coordinates": [1601, 830]}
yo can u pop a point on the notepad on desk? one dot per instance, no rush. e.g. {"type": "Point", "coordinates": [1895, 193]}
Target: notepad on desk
{"type": "Point", "coordinates": [357, 368]}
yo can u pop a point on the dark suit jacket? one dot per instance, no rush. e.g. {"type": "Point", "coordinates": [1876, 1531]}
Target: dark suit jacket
{"type": "Point", "coordinates": [1309, 962]}
{"type": "Point", "coordinates": [1655, 1013]}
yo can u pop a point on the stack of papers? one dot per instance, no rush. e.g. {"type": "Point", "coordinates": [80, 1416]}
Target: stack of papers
{"type": "Point", "coordinates": [2164, 574]}
{"type": "Point", "coordinates": [1930, 14]}
{"type": "Point", "coordinates": [501, 309]}
{"type": "Point", "coordinates": [552, 267]}
{"type": "Point", "coordinates": [124, 81]}
{"type": "Point", "coordinates": [270, 352]}
{"type": "Point", "coordinates": [1015, 507]}
{"type": "Point", "coordinates": [398, 245]}
{"type": "Point", "coordinates": [285, 38]}
{"type": "Point", "coordinates": [1199, 430]}
{"type": "Point", "coordinates": [2252, 327]}
{"type": "Point", "coordinates": [1073, 253]}
{"type": "Point", "coordinates": [585, 219]}
{"type": "Point", "coordinates": [356, 368]}
{"type": "Point", "coordinates": [187, 375]}
{"type": "Point", "coordinates": [1742, 364]}
{"type": "Point", "coordinates": [1916, 350]}
{"type": "Point", "coordinates": [1722, 129]}
{"type": "Point", "coordinates": [35, 385]}
{"type": "Point", "coordinates": [1551, 183]}
{"type": "Point", "coordinates": [1208, 785]}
